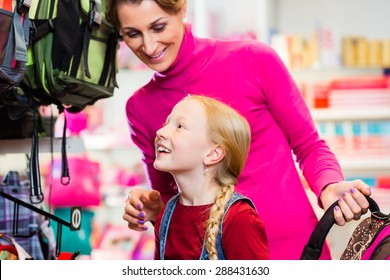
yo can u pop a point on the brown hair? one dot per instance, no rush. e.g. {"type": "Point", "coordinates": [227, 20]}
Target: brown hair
{"type": "Point", "coordinates": [230, 131]}
{"type": "Point", "coordinates": [169, 6]}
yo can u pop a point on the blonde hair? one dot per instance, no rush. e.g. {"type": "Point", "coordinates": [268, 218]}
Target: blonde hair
{"type": "Point", "coordinates": [169, 6]}
{"type": "Point", "coordinates": [231, 132]}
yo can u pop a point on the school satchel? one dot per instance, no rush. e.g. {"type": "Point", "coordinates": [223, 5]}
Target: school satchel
{"type": "Point", "coordinates": [19, 222]}
{"type": "Point", "coordinates": [72, 56]}
{"type": "Point", "coordinates": [369, 241]}
{"type": "Point", "coordinates": [14, 40]}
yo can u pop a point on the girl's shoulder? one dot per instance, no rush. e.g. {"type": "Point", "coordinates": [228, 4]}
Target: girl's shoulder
{"type": "Point", "coordinates": [239, 206]}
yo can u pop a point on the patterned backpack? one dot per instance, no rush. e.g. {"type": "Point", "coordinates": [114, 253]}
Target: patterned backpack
{"type": "Point", "coordinates": [369, 241]}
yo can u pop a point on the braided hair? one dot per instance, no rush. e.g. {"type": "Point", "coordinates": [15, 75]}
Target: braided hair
{"type": "Point", "coordinates": [230, 131]}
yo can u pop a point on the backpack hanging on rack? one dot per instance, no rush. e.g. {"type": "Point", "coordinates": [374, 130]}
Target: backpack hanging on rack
{"type": "Point", "coordinates": [72, 56]}
{"type": "Point", "coordinates": [19, 223]}
{"type": "Point", "coordinates": [14, 40]}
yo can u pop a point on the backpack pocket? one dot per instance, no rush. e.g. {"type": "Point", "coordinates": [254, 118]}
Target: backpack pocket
{"type": "Point", "coordinates": [14, 38]}
{"type": "Point", "coordinates": [5, 29]}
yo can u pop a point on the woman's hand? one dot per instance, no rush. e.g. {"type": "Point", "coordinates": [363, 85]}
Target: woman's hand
{"type": "Point", "coordinates": [351, 201]}
{"type": "Point", "coordinates": [142, 206]}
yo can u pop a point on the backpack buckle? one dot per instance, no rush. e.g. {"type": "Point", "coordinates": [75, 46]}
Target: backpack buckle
{"type": "Point", "coordinates": [95, 16]}
{"type": "Point", "coordinates": [23, 6]}
{"type": "Point", "coordinates": [380, 216]}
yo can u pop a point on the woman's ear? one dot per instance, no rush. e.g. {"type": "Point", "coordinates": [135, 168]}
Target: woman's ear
{"type": "Point", "coordinates": [183, 11]}
{"type": "Point", "coordinates": [215, 156]}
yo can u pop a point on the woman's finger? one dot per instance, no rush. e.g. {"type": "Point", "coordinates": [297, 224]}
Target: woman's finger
{"type": "Point", "coordinates": [338, 215]}
{"type": "Point", "coordinates": [345, 209]}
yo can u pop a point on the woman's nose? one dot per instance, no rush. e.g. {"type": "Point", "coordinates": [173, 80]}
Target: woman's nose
{"type": "Point", "coordinates": [149, 45]}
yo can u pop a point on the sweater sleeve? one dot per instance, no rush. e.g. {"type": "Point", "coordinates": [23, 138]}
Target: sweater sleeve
{"type": "Point", "coordinates": [286, 104]}
{"type": "Point", "coordinates": [140, 135]}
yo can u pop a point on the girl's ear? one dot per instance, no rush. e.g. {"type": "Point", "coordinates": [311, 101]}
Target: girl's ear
{"type": "Point", "coordinates": [215, 156]}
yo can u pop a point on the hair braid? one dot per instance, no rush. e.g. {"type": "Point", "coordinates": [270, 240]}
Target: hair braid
{"type": "Point", "coordinates": [216, 214]}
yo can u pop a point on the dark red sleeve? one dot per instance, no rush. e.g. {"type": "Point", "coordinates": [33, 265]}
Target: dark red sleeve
{"type": "Point", "coordinates": [244, 236]}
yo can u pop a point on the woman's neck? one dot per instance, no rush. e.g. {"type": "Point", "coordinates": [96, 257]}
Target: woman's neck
{"type": "Point", "coordinates": [193, 51]}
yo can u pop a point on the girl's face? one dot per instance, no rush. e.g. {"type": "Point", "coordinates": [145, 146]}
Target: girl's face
{"type": "Point", "coordinates": [151, 33]}
{"type": "Point", "coordinates": [182, 144]}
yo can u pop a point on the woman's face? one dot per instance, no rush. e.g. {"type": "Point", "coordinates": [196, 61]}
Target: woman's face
{"type": "Point", "coordinates": [154, 35]}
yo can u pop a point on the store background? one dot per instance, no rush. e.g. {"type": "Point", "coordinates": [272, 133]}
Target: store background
{"type": "Point", "coordinates": [359, 134]}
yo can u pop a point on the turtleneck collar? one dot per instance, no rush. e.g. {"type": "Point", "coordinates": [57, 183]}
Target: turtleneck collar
{"type": "Point", "coordinates": [189, 60]}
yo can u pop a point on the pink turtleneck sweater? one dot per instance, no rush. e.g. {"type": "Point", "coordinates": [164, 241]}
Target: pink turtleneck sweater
{"type": "Point", "coordinates": [249, 76]}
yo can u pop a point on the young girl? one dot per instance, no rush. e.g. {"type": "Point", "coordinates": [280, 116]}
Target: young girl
{"type": "Point", "coordinates": [204, 145]}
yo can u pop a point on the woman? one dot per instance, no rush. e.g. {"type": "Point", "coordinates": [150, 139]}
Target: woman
{"type": "Point", "coordinates": [250, 77]}
{"type": "Point", "coordinates": [204, 145]}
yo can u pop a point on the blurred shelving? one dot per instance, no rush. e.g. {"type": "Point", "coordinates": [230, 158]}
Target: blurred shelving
{"type": "Point", "coordinates": [364, 114]}
{"type": "Point", "coordinates": [23, 146]}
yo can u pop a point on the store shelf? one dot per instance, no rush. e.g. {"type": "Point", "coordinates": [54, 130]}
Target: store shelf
{"type": "Point", "coordinates": [326, 74]}
{"type": "Point", "coordinates": [23, 146]}
{"type": "Point", "coordinates": [350, 114]}
{"type": "Point", "coordinates": [373, 164]}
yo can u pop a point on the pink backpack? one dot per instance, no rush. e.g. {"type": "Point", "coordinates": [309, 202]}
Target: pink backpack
{"type": "Point", "coordinates": [82, 190]}
{"type": "Point", "coordinates": [374, 235]}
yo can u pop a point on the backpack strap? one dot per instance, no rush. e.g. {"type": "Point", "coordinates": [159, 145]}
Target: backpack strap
{"type": "Point", "coordinates": [36, 195]}
{"type": "Point", "coordinates": [21, 31]}
{"type": "Point", "coordinates": [19, 35]}
{"type": "Point", "coordinates": [94, 22]}
{"type": "Point", "coordinates": [110, 56]}
{"type": "Point", "coordinates": [65, 44]}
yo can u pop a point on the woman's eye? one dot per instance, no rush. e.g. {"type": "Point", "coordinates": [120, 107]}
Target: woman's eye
{"type": "Point", "coordinates": [180, 126]}
{"type": "Point", "coordinates": [159, 27]}
{"type": "Point", "coordinates": [132, 34]}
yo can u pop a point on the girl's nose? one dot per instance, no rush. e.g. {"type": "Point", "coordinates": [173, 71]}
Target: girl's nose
{"type": "Point", "coordinates": [160, 133]}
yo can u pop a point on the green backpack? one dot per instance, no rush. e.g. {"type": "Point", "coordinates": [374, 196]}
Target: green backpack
{"type": "Point", "coordinates": [72, 56]}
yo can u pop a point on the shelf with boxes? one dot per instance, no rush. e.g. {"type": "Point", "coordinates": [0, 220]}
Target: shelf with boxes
{"type": "Point", "coordinates": [351, 109]}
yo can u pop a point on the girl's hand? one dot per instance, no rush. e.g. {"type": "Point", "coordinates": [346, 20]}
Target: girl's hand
{"type": "Point", "coordinates": [142, 206]}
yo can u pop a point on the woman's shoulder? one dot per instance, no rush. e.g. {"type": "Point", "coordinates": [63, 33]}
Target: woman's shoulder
{"type": "Point", "coordinates": [244, 46]}
{"type": "Point", "coordinates": [139, 99]}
